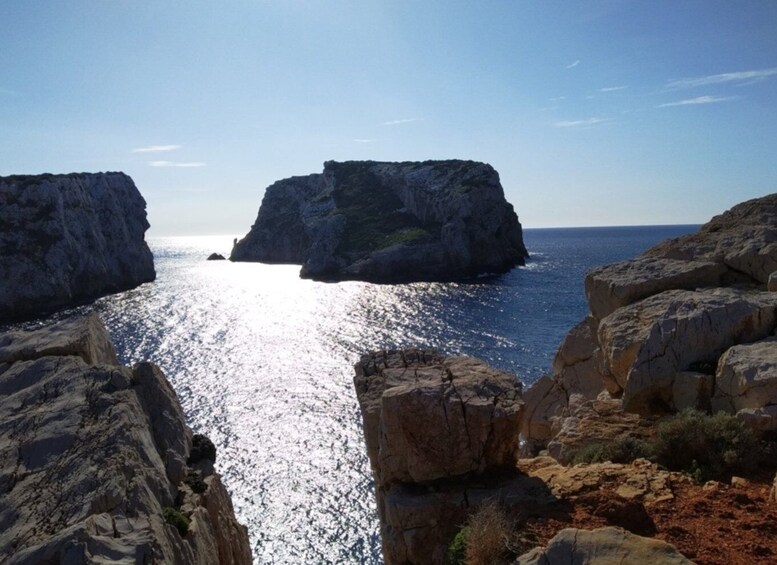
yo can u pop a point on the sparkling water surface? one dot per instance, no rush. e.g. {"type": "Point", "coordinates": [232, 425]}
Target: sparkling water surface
{"type": "Point", "coordinates": [262, 362]}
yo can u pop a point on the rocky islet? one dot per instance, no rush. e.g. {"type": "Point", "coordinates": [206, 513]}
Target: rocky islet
{"type": "Point", "coordinates": [388, 223]}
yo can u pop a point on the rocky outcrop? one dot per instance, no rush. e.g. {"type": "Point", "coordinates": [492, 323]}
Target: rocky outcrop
{"type": "Point", "coordinates": [96, 461]}
{"type": "Point", "coordinates": [65, 239]}
{"type": "Point", "coordinates": [442, 437]}
{"type": "Point", "coordinates": [388, 222]}
{"type": "Point", "coordinates": [603, 546]}
{"type": "Point", "coordinates": [686, 325]}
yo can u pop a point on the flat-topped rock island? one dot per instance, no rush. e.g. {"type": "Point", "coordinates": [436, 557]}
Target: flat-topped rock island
{"type": "Point", "coordinates": [388, 223]}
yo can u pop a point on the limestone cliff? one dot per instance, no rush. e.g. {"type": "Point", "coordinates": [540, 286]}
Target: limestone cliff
{"type": "Point", "coordinates": [96, 462]}
{"type": "Point", "coordinates": [689, 324]}
{"type": "Point", "coordinates": [388, 222]}
{"type": "Point", "coordinates": [66, 239]}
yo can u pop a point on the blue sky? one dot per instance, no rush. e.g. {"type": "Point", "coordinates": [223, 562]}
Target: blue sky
{"type": "Point", "coordinates": [594, 113]}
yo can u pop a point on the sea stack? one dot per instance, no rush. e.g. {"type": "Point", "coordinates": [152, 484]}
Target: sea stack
{"type": "Point", "coordinates": [388, 223]}
{"type": "Point", "coordinates": [67, 239]}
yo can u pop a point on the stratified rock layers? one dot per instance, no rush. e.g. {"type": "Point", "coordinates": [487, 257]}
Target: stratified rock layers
{"type": "Point", "coordinates": [689, 324]}
{"type": "Point", "coordinates": [65, 239]}
{"type": "Point", "coordinates": [434, 427]}
{"type": "Point", "coordinates": [388, 222]}
{"type": "Point", "coordinates": [92, 456]}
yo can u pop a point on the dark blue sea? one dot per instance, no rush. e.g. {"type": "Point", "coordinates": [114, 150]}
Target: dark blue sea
{"type": "Point", "coordinates": [262, 363]}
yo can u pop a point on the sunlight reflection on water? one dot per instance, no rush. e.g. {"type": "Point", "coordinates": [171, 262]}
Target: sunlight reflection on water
{"type": "Point", "coordinates": [262, 363]}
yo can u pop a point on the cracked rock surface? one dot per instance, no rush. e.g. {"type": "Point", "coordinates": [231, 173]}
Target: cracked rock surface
{"type": "Point", "coordinates": [688, 324]}
{"type": "Point", "coordinates": [66, 239]}
{"type": "Point", "coordinates": [91, 453]}
{"type": "Point", "coordinates": [434, 427]}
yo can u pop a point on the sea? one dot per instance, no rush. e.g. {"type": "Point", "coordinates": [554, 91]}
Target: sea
{"type": "Point", "coordinates": [262, 362]}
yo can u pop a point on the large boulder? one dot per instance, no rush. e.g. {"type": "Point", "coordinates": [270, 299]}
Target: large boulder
{"type": "Point", "coordinates": [603, 546]}
{"type": "Point", "coordinates": [435, 426]}
{"type": "Point", "coordinates": [66, 239]}
{"type": "Point", "coordinates": [93, 460]}
{"type": "Point", "coordinates": [647, 344]}
{"type": "Point", "coordinates": [388, 222]}
{"type": "Point", "coordinates": [746, 383]}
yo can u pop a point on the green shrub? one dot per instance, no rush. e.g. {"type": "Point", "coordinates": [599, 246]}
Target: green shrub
{"type": "Point", "coordinates": [195, 482]}
{"type": "Point", "coordinates": [457, 551]}
{"type": "Point", "coordinates": [175, 518]}
{"type": "Point", "coordinates": [707, 447]}
{"type": "Point", "coordinates": [623, 450]}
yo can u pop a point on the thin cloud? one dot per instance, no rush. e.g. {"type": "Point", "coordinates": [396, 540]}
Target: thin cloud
{"type": "Point", "coordinates": [364, 140]}
{"type": "Point", "coordinates": [573, 65]}
{"type": "Point", "coordinates": [156, 148]}
{"type": "Point", "coordinates": [612, 88]}
{"type": "Point", "coordinates": [174, 164]}
{"type": "Point", "coordinates": [697, 100]}
{"type": "Point", "coordinates": [578, 123]}
{"type": "Point", "coordinates": [557, 98]}
{"type": "Point", "coordinates": [402, 121]}
{"type": "Point", "coordinates": [739, 78]}
{"type": "Point", "coordinates": [7, 92]}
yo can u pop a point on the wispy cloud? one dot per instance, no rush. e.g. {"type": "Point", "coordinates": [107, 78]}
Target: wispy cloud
{"type": "Point", "coordinates": [7, 92]}
{"type": "Point", "coordinates": [175, 164]}
{"type": "Point", "coordinates": [577, 123]}
{"type": "Point", "coordinates": [573, 65]}
{"type": "Point", "coordinates": [557, 98]}
{"type": "Point", "coordinates": [364, 140]}
{"type": "Point", "coordinates": [739, 78]}
{"type": "Point", "coordinates": [156, 148]}
{"type": "Point", "coordinates": [697, 100]}
{"type": "Point", "coordinates": [402, 121]}
{"type": "Point", "coordinates": [612, 88]}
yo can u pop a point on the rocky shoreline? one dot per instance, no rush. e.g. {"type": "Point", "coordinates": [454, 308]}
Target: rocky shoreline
{"type": "Point", "coordinates": [683, 331]}
{"type": "Point", "coordinates": [97, 463]}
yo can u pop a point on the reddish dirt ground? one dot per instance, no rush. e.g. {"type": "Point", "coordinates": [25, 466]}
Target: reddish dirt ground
{"type": "Point", "coordinates": [714, 526]}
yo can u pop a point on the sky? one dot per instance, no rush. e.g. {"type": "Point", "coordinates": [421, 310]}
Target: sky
{"type": "Point", "coordinates": [608, 112]}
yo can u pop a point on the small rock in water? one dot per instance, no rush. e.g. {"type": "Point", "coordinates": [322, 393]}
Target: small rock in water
{"type": "Point", "coordinates": [216, 257]}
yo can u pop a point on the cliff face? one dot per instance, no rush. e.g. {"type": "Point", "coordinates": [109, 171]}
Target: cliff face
{"type": "Point", "coordinates": [688, 324]}
{"type": "Point", "coordinates": [65, 239]}
{"type": "Point", "coordinates": [97, 463]}
{"type": "Point", "coordinates": [388, 222]}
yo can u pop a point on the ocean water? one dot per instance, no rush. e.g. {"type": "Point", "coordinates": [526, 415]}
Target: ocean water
{"type": "Point", "coordinates": [262, 363]}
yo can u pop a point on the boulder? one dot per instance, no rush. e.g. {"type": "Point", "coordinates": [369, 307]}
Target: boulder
{"type": "Point", "coordinates": [216, 257]}
{"type": "Point", "coordinates": [620, 284]}
{"type": "Point", "coordinates": [746, 378]}
{"type": "Point", "coordinates": [435, 427]}
{"type": "Point", "coordinates": [388, 222]}
{"type": "Point", "coordinates": [451, 417]}
{"type": "Point", "coordinates": [67, 239]}
{"type": "Point", "coordinates": [645, 345]}
{"type": "Point", "coordinates": [603, 546]}
{"type": "Point", "coordinates": [92, 455]}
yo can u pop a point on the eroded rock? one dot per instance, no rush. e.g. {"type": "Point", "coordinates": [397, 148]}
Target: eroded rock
{"type": "Point", "coordinates": [66, 239]}
{"type": "Point", "coordinates": [90, 455]}
{"type": "Point", "coordinates": [388, 222]}
{"type": "Point", "coordinates": [603, 546]}
{"type": "Point", "coordinates": [434, 427]}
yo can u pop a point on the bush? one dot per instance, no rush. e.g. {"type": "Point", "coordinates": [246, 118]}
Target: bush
{"type": "Point", "coordinates": [195, 482]}
{"type": "Point", "coordinates": [175, 518]}
{"type": "Point", "coordinates": [457, 551]}
{"type": "Point", "coordinates": [623, 450]}
{"type": "Point", "coordinates": [488, 540]}
{"type": "Point", "coordinates": [707, 447]}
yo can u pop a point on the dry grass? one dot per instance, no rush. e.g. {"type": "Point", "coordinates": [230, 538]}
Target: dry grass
{"type": "Point", "coordinates": [490, 532]}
